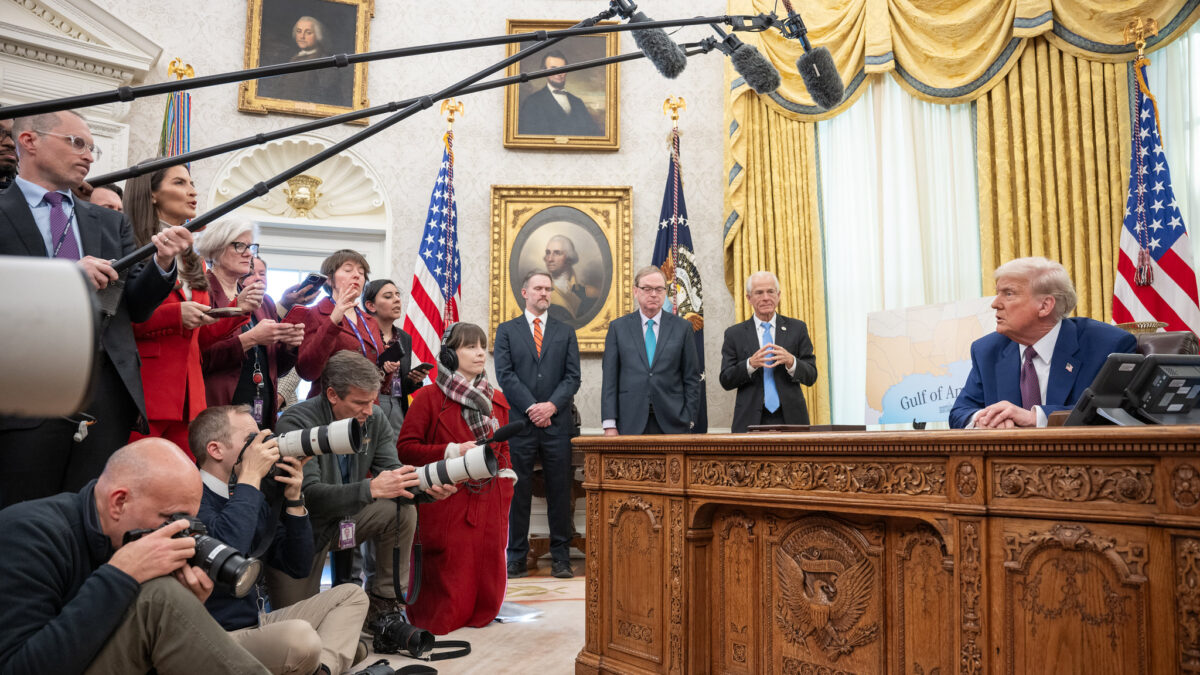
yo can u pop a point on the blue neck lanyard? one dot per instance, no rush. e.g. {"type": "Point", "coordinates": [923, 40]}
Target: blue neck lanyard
{"type": "Point", "coordinates": [362, 345]}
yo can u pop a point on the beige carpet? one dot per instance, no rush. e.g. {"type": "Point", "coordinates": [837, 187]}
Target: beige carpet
{"type": "Point", "coordinates": [547, 645]}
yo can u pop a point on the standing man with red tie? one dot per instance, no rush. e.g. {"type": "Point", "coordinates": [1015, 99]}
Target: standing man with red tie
{"type": "Point", "coordinates": [40, 217]}
{"type": "Point", "coordinates": [537, 364]}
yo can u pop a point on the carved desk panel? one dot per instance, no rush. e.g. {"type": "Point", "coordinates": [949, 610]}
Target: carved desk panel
{"type": "Point", "coordinates": [1025, 551]}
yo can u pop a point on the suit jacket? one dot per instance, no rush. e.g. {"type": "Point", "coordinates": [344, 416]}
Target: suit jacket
{"type": "Point", "coordinates": [741, 341]}
{"type": "Point", "coordinates": [527, 379]}
{"type": "Point", "coordinates": [222, 360]}
{"type": "Point", "coordinates": [541, 114]}
{"type": "Point", "coordinates": [104, 234]}
{"type": "Point", "coordinates": [631, 385]}
{"type": "Point", "coordinates": [1082, 347]}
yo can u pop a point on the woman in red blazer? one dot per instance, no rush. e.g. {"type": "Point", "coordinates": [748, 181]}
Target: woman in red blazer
{"type": "Point", "coordinates": [336, 322]}
{"type": "Point", "coordinates": [169, 343]}
{"type": "Point", "coordinates": [464, 536]}
{"type": "Point", "coordinates": [244, 367]}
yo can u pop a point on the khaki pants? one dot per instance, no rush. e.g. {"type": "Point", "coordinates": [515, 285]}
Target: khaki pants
{"type": "Point", "coordinates": [376, 522]}
{"type": "Point", "coordinates": [322, 630]}
{"type": "Point", "coordinates": [167, 629]}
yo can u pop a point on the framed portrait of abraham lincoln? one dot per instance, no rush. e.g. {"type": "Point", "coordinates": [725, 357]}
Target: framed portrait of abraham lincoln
{"type": "Point", "coordinates": [288, 31]}
{"type": "Point", "coordinates": [566, 111]}
{"type": "Point", "coordinates": [581, 236]}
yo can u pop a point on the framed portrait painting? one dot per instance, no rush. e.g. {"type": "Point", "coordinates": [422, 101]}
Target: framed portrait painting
{"type": "Point", "coordinates": [286, 31]}
{"type": "Point", "coordinates": [568, 111]}
{"type": "Point", "coordinates": [582, 237]}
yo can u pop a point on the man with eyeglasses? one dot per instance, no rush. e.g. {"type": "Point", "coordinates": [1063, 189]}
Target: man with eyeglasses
{"type": "Point", "coordinates": [766, 358]}
{"type": "Point", "coordinates": [40, 217]}
{"type": "Point", "coordinates": [651, 372]}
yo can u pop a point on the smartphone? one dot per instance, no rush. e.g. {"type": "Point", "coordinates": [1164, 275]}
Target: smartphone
{"type": "Point", "coordinates": [423, 368]}
{"type": "Point", "coordinates": [221, 312]}
{"type": "Point", "coordinates": [313, 281]}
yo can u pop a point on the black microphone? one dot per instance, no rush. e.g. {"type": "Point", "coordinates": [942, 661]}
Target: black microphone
{"type": "Point", "coordinates": [666, 56]}
{"type": "Point", "coordinates": [748, 62]}
{"type": "Point", "coordinates": [507, 431]}
{"type": "Point", "coordinates": [816, 66]}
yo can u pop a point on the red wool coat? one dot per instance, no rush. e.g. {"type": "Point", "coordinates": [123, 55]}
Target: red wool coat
{"type": "Point", "coordinates": [323, 338]}
{"type": "Point", "coordinates": [464, 536]}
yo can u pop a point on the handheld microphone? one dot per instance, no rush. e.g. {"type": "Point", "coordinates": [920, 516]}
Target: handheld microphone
{"type": "Point", "coordinates": [666, 56]}
{"type": "Point", "coordinates": [508, 431]}
{"type": "Point", "coordinates": [758, 72]}
{"type": "Point", "coordinates": [815, 66]}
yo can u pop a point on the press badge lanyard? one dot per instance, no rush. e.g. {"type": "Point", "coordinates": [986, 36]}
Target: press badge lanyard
{"type": "Point", "coordinates": [63, 237]}
{"type": "Point", "coordinates": [362, 345]}
{"type": "Point", "coordinates": [256, 377]}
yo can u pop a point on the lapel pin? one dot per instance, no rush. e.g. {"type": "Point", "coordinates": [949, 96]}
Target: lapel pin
{"type": "Point", "coordinates": [783, 328]}
{"type": "Point", "coordinates": [1070, 368]}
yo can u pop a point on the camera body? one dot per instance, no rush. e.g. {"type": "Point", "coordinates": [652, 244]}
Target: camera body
{"type": "Point", "coordinates": [221, 562]}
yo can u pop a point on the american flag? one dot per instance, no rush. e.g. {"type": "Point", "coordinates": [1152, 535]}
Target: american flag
{"type": "Point", "coordinates": [673, 253]}
{"type": "Point", "coordinates": [1156, 279]}
{"type": "Point", "coordinates": [433, 300]}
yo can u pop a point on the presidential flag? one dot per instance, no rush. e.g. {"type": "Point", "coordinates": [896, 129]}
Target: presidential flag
{"type": "Point", "coordinates": [434, 298]}
{"type": "Point", "coordinates": [673, 253]}
{"type": "Point", "coordinates": [1156, 278]}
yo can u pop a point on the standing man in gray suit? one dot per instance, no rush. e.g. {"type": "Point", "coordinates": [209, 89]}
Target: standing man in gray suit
{"type": "Point", "coordinates": [537, 363]}
{"type": "Point", "coordinates": [766, 358]}
{"type": "Point", "coordinates": [651, 371]}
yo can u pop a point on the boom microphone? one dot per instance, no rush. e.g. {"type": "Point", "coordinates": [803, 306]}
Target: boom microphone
{"type": "Point", "coordinates": [660, 49]}
{"type": "Point", "coordinates": [758, 72]}
{"type": "Point", "coordinates": [816, 66]}
{"type": "Point", "coordinates": [507, 431]}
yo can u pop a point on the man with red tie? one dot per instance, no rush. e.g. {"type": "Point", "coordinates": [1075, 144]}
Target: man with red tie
{"type": "Point", "coordinates": [1038, 360]}
{"type": "Point", "coordinates": [40, 217]}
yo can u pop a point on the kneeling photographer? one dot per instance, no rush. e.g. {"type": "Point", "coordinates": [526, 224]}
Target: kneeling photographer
{"type": "Point", "coordinates": [345, 506]}
{"type": "Point", "coordinates": [262, 514]}
{"type": "Point", "coordinates": [95, 581]}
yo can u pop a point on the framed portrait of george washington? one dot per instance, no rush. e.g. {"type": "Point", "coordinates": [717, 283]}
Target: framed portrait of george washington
{"type": "Point", "coordinates": [287, 31]}
{"type": "Point", "coordinates": [567, 111]}
{"type": "Point", "coordinates": [582, 237]}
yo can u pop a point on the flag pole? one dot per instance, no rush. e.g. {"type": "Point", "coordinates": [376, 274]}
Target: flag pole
{"type": "Point", "coordinates": [671, 107]}
{"type": "Point", "coordinates": [452, 109]}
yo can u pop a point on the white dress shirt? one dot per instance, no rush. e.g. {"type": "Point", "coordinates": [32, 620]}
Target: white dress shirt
{"type": "Point", "coordinates": [1041, 365]}
{"type": "Point", "coordinates": [560, 97]}
{"type": "Point", "coordinates": [775, 336]}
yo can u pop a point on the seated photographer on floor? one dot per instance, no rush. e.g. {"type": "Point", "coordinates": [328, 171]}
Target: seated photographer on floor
{"type": "Point", "coordinates": [77, 597]}
{"type": "Point", "coordinates": [264, 514]}
{"type": "Point", "coordinates": [345, 506]}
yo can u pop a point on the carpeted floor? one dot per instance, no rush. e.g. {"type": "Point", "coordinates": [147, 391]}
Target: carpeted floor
{"type": "Point", "coordinates": [546, 645]}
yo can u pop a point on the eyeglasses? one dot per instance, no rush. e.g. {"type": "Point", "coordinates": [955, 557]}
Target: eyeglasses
{"type": "Point", "coordinates": [656, 290]}
{"type": "Point", "coordinates": [79, 144]}
{"type": "Point", "coordinates": [240, 248]}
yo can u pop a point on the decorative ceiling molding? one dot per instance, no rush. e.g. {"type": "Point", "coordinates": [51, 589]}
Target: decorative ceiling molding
{"type": "Point", "coordinates": [63, 24]}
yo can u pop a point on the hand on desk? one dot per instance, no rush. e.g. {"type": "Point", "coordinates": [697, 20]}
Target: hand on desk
{"type": "Point", "coordinates": [1005, 415]}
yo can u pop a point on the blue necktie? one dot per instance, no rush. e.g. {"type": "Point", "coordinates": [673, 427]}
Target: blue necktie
{"type": "Point", "coordinates": [770, 393]}
{"type": "Point", "coordinates": [651, 341]}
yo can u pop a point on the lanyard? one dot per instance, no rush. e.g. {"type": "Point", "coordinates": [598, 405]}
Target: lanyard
{"type": "Point", "coordinates": [362, 345]}
{"type": "Point", "coordinates": [63, 237]}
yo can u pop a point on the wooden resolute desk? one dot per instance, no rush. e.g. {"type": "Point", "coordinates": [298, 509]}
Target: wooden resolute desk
{"type": "Point", "coordinates": [1069, 550]}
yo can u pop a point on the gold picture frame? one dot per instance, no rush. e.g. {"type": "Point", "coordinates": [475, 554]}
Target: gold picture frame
{"type": "Point", "coordinates": [594, 271]}
{"type": "Point", "coordinates": [532, 117]}
{"type": "Point", "coordinates": [279, 31]}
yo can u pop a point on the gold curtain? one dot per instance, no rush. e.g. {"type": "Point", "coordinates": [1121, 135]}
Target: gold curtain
{"type": "Point", "coordinates": [775, 224]}
{"type": "Point", "coordinates": [1053, 158]}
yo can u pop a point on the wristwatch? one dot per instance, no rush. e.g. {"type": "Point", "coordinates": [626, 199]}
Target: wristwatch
{"type": "Point", "coordinates": [289, 503]}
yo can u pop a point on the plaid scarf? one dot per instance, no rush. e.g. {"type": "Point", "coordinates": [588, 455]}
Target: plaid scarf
{"type": "Point", "coordinates": [474, 397]}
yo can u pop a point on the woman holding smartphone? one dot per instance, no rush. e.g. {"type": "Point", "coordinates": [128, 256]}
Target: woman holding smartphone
{"type": "Point", "coordinates": [336, 322]}
{"type": "Point", "coordinates": [382, 301]}
{"type": "Point", "coordinates": [171, 341]}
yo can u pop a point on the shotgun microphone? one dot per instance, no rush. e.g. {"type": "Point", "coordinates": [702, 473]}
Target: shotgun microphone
{"type": "Point", "coordinates": [666, 56]}
{"type": "Point", "coordinates": [816, 66]}
{"type": "Point", "coordinates": [758, 72]}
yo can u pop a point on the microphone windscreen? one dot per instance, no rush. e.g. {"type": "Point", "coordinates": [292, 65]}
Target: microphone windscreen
{"type": "Point", "coordinates": [821, 78]}
{"type": "Point", "coordinates": [755, 68]}
{"type": "Point", "coordinates": [508, 431]}
{"type": "Point", "coordinates": [660, 49]}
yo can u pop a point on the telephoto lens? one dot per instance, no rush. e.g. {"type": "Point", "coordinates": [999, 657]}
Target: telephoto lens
{"type": "Point", "coordinates": [343, 437]}
{"type": "Point", "coordinates": [223, 563]}
{"type": "Point", "coordinates": [475, 464]}
{"type": "Point", "coordinates": [394, 635]}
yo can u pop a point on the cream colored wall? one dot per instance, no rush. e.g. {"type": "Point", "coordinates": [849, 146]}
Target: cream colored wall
{"type": "Point", "coordinates": [210, 36]}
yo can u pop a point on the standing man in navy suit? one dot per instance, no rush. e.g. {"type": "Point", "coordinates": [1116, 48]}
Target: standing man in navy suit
{"type": "Point", "coordinates": [39, 216]}
{"type": "Point", "coordinates": [1038, 361]}
{"type": "Point", "coordinates": [651, 371]}
{"type": "Point", "coordinates": [537, 363]}
{"type": "Point", "coordinates": [766, 358]}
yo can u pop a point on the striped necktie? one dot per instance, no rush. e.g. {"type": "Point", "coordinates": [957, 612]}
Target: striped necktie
{"type": "Point", "coordinates": [537, 336]}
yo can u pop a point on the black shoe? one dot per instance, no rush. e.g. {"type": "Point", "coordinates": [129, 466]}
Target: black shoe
{"type": "Point", "coordinates": [561, 569]}
{"type": "Point", "coordinates": [380, 667]}
{"type": "Point", "coordinates": [516, 570]}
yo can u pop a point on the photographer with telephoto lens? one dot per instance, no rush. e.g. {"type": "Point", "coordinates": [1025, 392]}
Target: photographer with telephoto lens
{"type": "Point", "coordinates": [76, 597]}
{"type": "Point", "coordinates": [253, 501]}
{"type": "Point", "coordinates": [345, 506]}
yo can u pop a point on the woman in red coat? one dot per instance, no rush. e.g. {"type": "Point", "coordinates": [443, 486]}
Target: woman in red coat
{"type": "Point", "coordinates": [464, 535]}
{"type": "Point", "coordinates": [170, 342]}
{"type": "Point", "coordinates": [336, 322]}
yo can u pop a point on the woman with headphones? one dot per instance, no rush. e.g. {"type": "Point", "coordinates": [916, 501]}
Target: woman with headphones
{"type": "Point", "coordinates": [463, 536]}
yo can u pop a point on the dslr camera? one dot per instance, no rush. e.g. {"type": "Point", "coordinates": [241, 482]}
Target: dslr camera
{"type": "Point", "coordinates": [221, 562]}
{"type": "Point", "coordinates": [343, 437]}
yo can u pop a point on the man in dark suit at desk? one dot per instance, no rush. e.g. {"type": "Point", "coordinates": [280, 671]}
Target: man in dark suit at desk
{"type": "Point", "coordinates": [766, 358]}
{"type": "Point", "coordinates": [537, 363]}
{"type": "Point", "coordinates": [40, 217]}
{"type": "Point", "coordinates": [651, 371]}
{"type": "Point", "coordinates": [1038, 361]}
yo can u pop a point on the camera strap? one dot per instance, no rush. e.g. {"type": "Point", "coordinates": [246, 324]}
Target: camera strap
{"type": "Point", "coordinates": [458, 648]}
{"type": "Point", "coordinates": [415, 588]}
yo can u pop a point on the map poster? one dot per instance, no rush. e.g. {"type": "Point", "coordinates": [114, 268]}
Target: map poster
{"type": "Point", "coordinates": [918, 359]}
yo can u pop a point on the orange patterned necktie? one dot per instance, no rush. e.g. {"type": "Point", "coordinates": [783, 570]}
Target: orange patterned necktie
{"type": "Point", "coordinates": [537, 336]}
